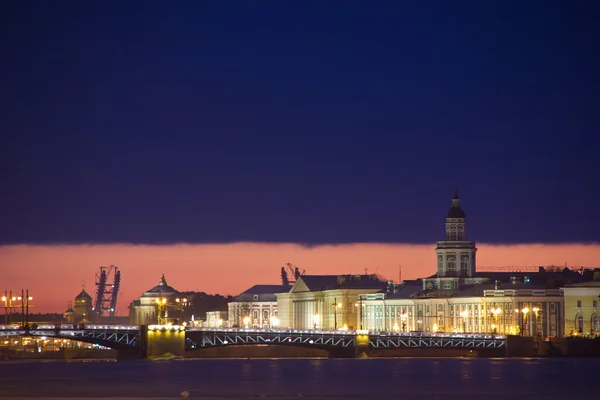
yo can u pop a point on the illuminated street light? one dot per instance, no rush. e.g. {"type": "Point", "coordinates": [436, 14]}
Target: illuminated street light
{"type": "Point", "coordinates": [246, 321]}
{"type": "Point", "coordinates": [464, 315]}
{"type": "Point", "coordinates": [274, 321]}
{"type": "Point", "coordinates": [316, 318]}
{"type": "Point", "coordinates": [495, 311]}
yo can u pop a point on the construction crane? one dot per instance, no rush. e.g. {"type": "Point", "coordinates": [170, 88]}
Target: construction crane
{"type": "Point", "coordinates": [106, 292]}
{"type": "Point", "coordinates": [294, 273]}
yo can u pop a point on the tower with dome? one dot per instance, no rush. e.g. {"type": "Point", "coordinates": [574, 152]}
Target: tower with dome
{"type": "Point", "coordinates": [456, 255]}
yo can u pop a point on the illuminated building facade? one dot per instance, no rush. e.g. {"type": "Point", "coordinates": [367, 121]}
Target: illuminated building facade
{"type": "Point", "coordinates": [326, 302]}
{"type": "Point", "coordinates": [217, 319]}
{"type": "Point", "coordinates": [157, 305]}
{"type": "Point", "coordinates": [581, 308]}
{"type": "Point", "coordinates": [460, 299]}
{"type": "Point", "coordinates": [255, 307]}
{"type": "Point", "coordinates": [515, 309]}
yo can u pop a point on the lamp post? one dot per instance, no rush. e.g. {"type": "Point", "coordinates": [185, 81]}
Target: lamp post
{"type": "Point", "coordinates": [335, 305]}
{"type": "Point", "coordinates": [524, 312]}
{"type": "Point", "coordinates": [535, 320]}
{"type": "Point", "coordinates": [26, 298]}
{"type": "Point", "coordinates": [464, 314]}
{"type": "Point", "coordinates": [495, 311]}
{"type": "Point", "coordinates": [8, 306]}
{"type": "Point", "coordinates": [316, 318]}
{"type": "Point", "coordinates": [161, 305]}
{"type": "Point", "coordinates": [360, 305]}
{"type": "Point", "coordinates": [181, 304]}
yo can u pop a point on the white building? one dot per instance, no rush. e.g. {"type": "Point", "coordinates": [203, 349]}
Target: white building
{"type": "Point", "coordinates": [217, 319]}
{"type": "Point", "coordinates": [256, 307]}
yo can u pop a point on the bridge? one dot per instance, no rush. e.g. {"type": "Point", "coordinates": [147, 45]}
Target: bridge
{"type": "Point", "coordinates": [201, 337]}
{"type": "Point", "coordinates": [118, 337]}
{"type": "Point", "coordinates": [133, 337]}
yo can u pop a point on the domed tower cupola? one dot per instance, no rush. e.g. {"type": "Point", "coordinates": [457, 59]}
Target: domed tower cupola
{"type": "Point", "coordinates": [456, 254]}
{"type": "Point", "coordinates": [456, 224]}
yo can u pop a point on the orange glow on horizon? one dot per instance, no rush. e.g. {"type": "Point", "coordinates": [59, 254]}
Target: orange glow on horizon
{"type": "Point", "coordinates": [53, 273]}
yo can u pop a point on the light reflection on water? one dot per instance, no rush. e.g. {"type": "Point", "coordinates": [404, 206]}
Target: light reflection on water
{"type": "Point", "coordinates": [406, 378]}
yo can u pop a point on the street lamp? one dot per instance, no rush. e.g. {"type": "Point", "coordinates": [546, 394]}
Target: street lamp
{"type": "Point", "coordinates": [464, 315]}
{"type": "Point", "coordinates": [316, 319]}
{"type": "Point", "coordinates": [524, 324]}
{"type": "Point", "coordinates": [274, 321]}
{"type": "Point", "coordinates": [182, 303]}
{"type": "Point", "coordinates": [495, 311]}
{"type": "Point", "coordinates": [336, 306]}
{"type": "Point", "coordinates": [360, 305]}
{"type": "Point", "coordinates": [246, 321]}
{"type": "Point", "coordinates": [535, 321]}
{"type": "Point", "coordinates": [161, 304]}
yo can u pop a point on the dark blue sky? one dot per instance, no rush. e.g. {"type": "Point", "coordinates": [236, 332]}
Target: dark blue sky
{"type": "Point", "coordinates": [310, 122]}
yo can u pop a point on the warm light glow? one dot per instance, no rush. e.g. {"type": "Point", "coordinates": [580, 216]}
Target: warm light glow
{"type": "Point", "coordinates": [339, 305]}
{"type": "Point", "coordinates": [246, 321]}
{"type": "Point", "coordinates": [396, 327]}
{"type": "Point", "coordinates": [435, 327]}
{"type": "Point", "coordinates": [219, 323]}
{"type": "Point", "coordinates": [274, 321]}
{"type": "Point", "coordinates": [525, 310]}
{"type": "Point", "coordinates": [39, 264]}
{"type": "Point", "coordinates": [464, 314]}
{"type": "Point", "coordinates": [3, 298]}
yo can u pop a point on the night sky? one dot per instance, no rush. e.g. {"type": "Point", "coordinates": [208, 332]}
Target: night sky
{"type": "Point", "coordinates": [305, 122]}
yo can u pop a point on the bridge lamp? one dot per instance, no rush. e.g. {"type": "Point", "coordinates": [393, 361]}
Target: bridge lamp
{"type": "Point", "coordinates": [316, 318]}
{"type": "Point", "coordinates": [396, 327]}
{"type": "Point", "coordinates": [219, 323]}
{"type": "Point", "coordinates": [246, 321]}
{"type": "Point", "coordinates": [274, 321]}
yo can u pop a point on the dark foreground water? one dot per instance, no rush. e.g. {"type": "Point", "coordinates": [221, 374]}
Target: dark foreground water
{"type": "Point", "coordinates": [402, 378]}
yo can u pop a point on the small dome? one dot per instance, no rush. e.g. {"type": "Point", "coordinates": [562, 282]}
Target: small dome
{"type": "Point", "coordinates": [83, 296]}
{"type": "Point", "coordinates": [162, 289]}
{"type": "Point", "coordinates": [456, 211]}
{"type": "Point", "coordinates": [69, 311]}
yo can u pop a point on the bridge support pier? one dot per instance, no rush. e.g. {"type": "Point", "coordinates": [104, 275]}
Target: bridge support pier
{"type": "Point", "coordinates": [159, 341]}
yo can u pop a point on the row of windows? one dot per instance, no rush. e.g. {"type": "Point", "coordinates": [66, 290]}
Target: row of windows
{"type": "Point", "coordinates": [594, 303]}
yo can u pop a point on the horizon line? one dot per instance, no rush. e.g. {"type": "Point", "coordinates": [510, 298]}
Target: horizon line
{"type": "Point", "coordinates": [302, 244]}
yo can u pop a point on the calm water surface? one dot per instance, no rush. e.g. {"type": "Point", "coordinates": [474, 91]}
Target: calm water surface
{"type": "Point", "coordinates": [401, 378]}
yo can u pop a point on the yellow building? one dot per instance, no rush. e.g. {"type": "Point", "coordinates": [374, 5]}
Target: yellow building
{"type": "Point", "coordinates": [159, 305]}
{"type": "Point", "coordinates": [510, 309]}
{"type": "Point", "coordinates": [581, 308]}
{"type": "Point", "coordinates": [325, 302]}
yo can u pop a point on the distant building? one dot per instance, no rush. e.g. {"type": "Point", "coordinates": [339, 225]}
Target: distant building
{"type": "Point", "coordinates": [581, 308]}
{"type": "Point", "coordinates": [460, 299]}
{"type": "Point", "coordinates": [326, 302]}
{"type": "Point", "coordinates": [255, 307]}
{"type": "Point", "coordinates": [83, 311]}
{"type": "Point", "coordinates": [69, 315]}
{"type": "Point", "coordinates": [160, 304]}
{"type": "Point", "coordinates": [217, 318]}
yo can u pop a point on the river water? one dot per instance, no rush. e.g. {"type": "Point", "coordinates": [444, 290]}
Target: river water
{"type": "Point", "coordinates": [399, 378]}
